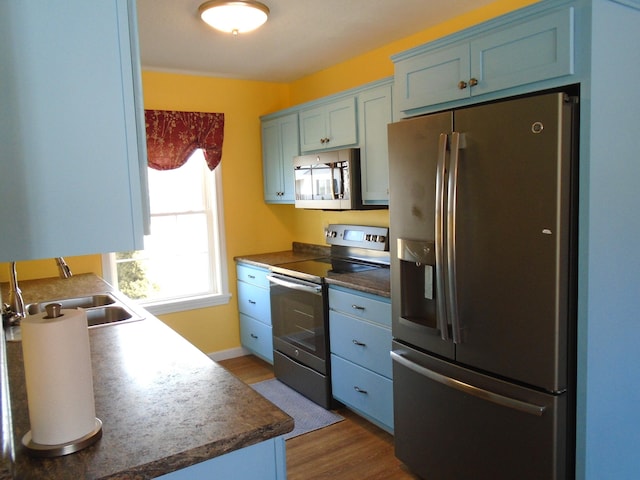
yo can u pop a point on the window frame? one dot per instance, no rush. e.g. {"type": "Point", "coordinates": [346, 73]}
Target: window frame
{"type": "Point", "coordinates": [218, 256]}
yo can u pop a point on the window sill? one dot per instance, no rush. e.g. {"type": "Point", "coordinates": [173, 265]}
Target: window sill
{"type": "Point", "coordinates": [180, 305]}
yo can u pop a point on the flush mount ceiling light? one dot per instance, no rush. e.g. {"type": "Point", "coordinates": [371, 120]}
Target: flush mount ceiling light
{"type": "Point", "coordinates": [234, 17]}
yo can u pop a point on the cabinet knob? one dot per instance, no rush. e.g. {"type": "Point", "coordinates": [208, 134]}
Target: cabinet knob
{"type": "Point", "coordinates": [473, 82]}
{"type": "Point", "coordinates": [462, 84]}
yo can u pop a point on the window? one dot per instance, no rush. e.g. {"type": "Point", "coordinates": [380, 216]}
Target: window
{"type": "Point", "coordinates": [183, 264]}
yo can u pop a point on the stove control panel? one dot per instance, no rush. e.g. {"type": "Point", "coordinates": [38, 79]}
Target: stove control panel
{"type": "Point", "coordinates": [362, 236]}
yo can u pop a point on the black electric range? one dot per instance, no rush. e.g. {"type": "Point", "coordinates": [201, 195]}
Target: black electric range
{"type": "Point", "coordinates": [299, 306]}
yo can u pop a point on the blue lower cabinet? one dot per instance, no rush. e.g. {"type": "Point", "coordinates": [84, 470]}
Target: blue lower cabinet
{"type": "Point", "coordinates": [254, 307]}
{"type": "Point", "coordinates": [360, 338]}
{"type": "Point", "coordinates": [256, 336]}
{"type": "Point", "coordinates": [265, 460]}
{"type": "Point", "coordinates": [366, 392]}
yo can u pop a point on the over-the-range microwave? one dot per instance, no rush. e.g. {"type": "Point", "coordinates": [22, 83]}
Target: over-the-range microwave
{"type": "Point", "coordinates": [329, 181]}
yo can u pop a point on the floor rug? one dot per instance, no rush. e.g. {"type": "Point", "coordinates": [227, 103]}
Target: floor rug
{"type": "Point", "coordinates": [307, 415]}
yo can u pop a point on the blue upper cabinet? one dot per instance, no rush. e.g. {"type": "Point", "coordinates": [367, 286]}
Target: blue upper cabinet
{"type": "Point", "coordinates": [280, 143]}
{"type": "Point", "coordinates": [329, 125]}
{"type": "Point", "coordinates": [375, 112]}
{"type": "Point", "coordinates": [73, 158]}
{"type": "Point", "coordinates": [523, 53]}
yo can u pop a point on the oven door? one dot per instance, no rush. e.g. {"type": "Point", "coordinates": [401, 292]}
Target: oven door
{"type": "Point", "coordinates": [298, 320]}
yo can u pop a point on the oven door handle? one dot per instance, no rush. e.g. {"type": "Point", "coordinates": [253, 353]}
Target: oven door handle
{"type": "Point", "coordinates": [294, 285]}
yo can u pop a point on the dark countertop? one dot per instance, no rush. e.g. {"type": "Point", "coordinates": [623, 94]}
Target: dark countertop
{"type": "Point", "coordinates": [376, 282]}
{"type": "Point", "coordinates": [164, 404]}
{"type": "Point", "coordinates": [299, 252]}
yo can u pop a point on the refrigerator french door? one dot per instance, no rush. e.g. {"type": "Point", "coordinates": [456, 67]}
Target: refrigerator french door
{"type": "Point", "coordinates": [482, 244]}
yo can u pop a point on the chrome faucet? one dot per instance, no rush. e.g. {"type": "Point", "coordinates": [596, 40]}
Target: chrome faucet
{"type": "Point", "coordinates": [63, 268]}
{"type": "Point", "coordinates": [14, 310]}
{"type": "Point", "coordinates": [16, 304]}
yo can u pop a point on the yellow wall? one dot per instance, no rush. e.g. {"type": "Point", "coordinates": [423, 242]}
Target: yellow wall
{"type": "Point", "coordinates": [377, 64]}
{"type": "Point", "coordinates": [251, 226]}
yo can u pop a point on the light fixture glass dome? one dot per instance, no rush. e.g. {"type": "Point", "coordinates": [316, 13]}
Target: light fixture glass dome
{"type": "Point", "coordinates": [234, 17]}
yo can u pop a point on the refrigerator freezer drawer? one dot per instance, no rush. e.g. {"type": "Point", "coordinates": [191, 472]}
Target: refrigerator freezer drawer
{"type": "Point", "coordinates": [451, 422]}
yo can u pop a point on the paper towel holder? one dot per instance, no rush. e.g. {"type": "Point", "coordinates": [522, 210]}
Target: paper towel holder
{"type": "Point", "coordinates": [40, 450]}
{"type": "Point", "coordinates": [58, 450]}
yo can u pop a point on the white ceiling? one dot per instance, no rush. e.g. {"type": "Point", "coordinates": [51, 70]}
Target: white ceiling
{"type": "Point", "coordinates": [300, 37]}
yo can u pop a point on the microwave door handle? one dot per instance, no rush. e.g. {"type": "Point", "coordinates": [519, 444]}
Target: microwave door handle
{"type": "Point", "coordinates": [439, 240]}
{"type": "Point", "coordinates": [333, 180]}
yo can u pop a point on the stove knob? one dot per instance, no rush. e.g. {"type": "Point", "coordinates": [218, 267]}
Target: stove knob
{"type": "Point", "coordinates": [382, 238]}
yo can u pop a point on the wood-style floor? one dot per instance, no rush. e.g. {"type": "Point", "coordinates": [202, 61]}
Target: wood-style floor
{"type": "Point", "coordinates": [353, 449]}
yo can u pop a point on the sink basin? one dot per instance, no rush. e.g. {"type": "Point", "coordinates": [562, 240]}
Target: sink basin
{"type": "Point", "coordinates": [71, 303]}
{"type": "Point", "coordinates": [105, 315]}
{"type": "Point", "coordinates": [102, 309]}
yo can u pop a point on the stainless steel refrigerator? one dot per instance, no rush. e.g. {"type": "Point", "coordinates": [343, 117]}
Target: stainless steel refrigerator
{"type": "Point", "coordinates": [483, 242]}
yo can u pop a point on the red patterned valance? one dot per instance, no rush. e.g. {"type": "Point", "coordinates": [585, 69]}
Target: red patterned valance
{"type": "Point", "coordinates": [173, 136]}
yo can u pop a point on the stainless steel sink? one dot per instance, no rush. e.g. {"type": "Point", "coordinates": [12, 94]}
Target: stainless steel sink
{"type": "Point", "coordinates": [79, 302]}
{"type": "Point", "coordinates": [102, 309]}
{"type": "Point", "coordinates": [106, 315]}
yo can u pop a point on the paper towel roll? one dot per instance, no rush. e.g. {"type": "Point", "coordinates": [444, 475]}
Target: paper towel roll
{"type": "Point", "coordinates": [57, 364]}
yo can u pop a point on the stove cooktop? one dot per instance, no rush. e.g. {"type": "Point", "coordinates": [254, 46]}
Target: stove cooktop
{"type": "Point", "coordinates": [322, 267]}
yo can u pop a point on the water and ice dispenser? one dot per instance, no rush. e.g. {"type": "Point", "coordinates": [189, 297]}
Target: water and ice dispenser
{"type": "Point", "coordinates": [418, 282]}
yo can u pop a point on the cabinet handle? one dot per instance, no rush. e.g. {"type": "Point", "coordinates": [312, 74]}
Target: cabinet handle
{"type": "Point", "coordinates": [473, 82]}
{"type": "Point", "coordinates": [357, 307]}
{"type": "Point", "coordinates": [324, 140]}
{"type": "Point", "coordinates": [360, 344]}
{"type": "Point", "coordinates": [359, 390]}
{"type": "Point", "coordinates": [251, 276]}
{"type": "Point", "coordinates": [252, 302]}
{"type": "Point", "coordinates": [462, 84]}
{"type": "Point", "coordinates": [253, 335]}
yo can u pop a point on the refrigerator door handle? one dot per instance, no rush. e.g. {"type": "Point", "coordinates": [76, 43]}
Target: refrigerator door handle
{"type": "Point", "coordinates": [452, 203]}
{"type": "Point", "coordinates": [441, 311]}
{"type": "Point", "coordinates": [496, 398]}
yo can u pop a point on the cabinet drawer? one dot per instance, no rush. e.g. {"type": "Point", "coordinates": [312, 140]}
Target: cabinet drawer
{"type": "Point", "coordinates": [363, 343]}
{"type": "Point", "coordinates": [363, 390]}
{"type": "Point", "coordinates": [254, 301]}
{"type": "Point", "coordinates": [253, 275]}
{"type": "Point", "coordinates": [256, 336]}
{"type": "Point", "coordinates": [361, 305]}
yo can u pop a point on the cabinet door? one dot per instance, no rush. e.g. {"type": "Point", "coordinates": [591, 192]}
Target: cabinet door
{"type": "Point", "coordinates": [535, 50]}
{"type": "Point", "coordinates": [374, 113]}
{"type": "Point", "coordinates": [265, 460]}
{"type": "Point", "coordinates": [363, 390]}
{"type": "Point", "coordinates": [70, 172]}
{"type": "Point", "coordinates": [328, 126]}
{"type": "Point", "coordinates": [363, 343]}
{"type": "Point", "coordinates": [280, 143]}
{"type": "Point", "coordinates": [433, 77]}
{"type": "Point", "coordinates": [257, 337]}
{"type": "Point", "coordinates": [254, 301]}
{"type": "Point", "coordinates": [341, 123]}
{"type": "Point", "coordinates": [312, 129]}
